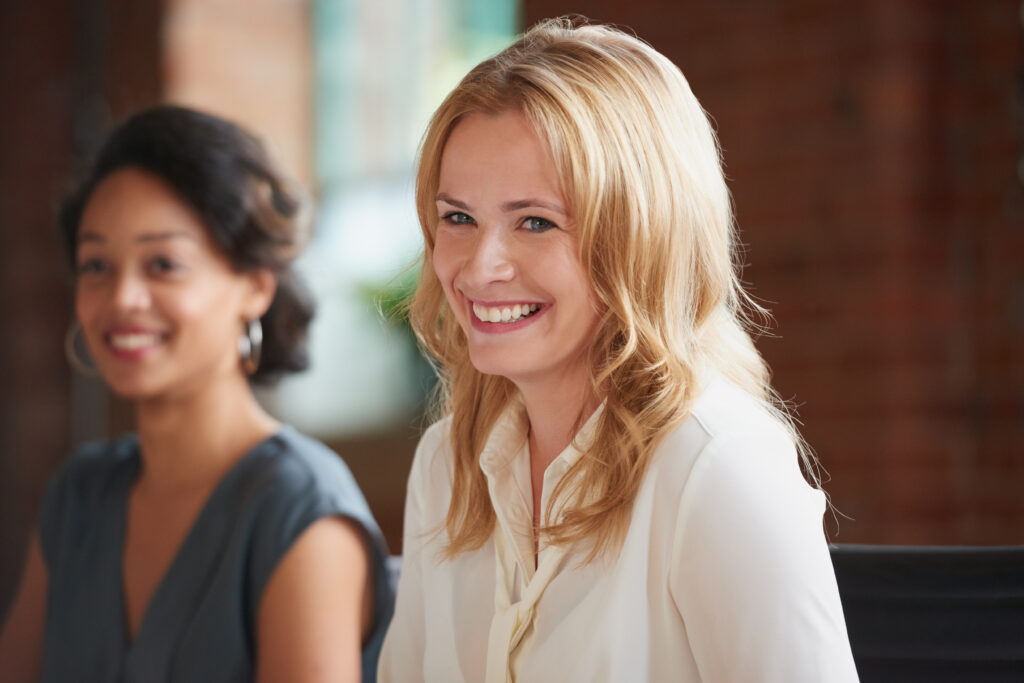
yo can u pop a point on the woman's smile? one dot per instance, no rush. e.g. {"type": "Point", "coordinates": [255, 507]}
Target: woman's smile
{"type": "Point", "coordinates": [504, 317]}
{"type": "Point", "coordinates": [129, 342]}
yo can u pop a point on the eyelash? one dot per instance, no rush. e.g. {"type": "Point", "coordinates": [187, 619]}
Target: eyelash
{"type": "Point", "coordinates": [462, 218]}
{"type": "Point", "coordinates": [162, 264]}
{"type": "Point", "coordinates": [159, 265]}
{"type": "Point", "coordinates": [545, 224]}
{"type": "Point", "coordinates": [456, 218]}
{"type": "Point", "coordinates": [90, 267]}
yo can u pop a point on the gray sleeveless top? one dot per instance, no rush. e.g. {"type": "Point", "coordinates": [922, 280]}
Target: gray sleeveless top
{"type": "Point", "coordinates": [200, 623]}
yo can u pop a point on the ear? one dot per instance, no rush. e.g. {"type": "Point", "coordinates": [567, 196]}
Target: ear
{"type": "Point", "coordinates": [261, 285]}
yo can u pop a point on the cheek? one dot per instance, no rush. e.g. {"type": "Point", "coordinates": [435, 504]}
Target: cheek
{"type": "Point", "coordinates": [88, 303]}
{"type": "Point", "coordinates": [83, 307]}
{"type": "Point", "coordinates": [208, 311]}
{"type": "Point", "coordinates": [575, 287]}
{"type": "Point", "coordinates": [563, 263]}
{"type": "Point", "coordinates": [444, 261]}
{"type": "Point", "coordinates": [192, 305]}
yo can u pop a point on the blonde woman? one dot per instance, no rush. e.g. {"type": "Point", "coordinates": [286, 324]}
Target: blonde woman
{"type": "Point", "coordinates": [611, 493]}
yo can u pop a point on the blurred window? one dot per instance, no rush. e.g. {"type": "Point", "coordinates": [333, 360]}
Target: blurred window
{"type": "Point", "coordinates": [380, 70]}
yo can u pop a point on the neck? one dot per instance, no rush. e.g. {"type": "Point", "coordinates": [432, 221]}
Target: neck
{"type": "Point", "coordinates": [193, 440]}
{"type": "Point", "coordinates": [554, 409]}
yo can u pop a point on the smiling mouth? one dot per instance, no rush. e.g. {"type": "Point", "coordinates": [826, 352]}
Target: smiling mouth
{"type": "Point", "coordinates": [504, 314]}
{"type": "Point", "coordinates": [133, 341]}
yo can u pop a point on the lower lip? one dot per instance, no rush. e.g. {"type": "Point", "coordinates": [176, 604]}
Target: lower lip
{"type": "Point", "coordinates": [501, 328]}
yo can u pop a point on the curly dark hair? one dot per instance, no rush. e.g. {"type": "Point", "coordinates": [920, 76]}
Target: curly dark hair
{"type": "Point", "coordinates": [251, 209]}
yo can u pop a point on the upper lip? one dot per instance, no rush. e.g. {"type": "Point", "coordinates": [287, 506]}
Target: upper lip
{"type": "Point", "coordinates": [131, 329]}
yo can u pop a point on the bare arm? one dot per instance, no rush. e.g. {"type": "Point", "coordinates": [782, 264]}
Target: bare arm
{"type": "Point", "coordinates": [316, 607]}
{"type": "Point", "coordinates": [21, 641]}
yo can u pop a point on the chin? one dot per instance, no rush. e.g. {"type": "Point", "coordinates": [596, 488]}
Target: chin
{"type": "Point", "coordinates": [489, 364]}
{"type": "Point", "coordinates": [131, 392]}
{"type": "Point", "coordinates": [494, 363]}
{"type": "Point", "coordinates": [131, 388]}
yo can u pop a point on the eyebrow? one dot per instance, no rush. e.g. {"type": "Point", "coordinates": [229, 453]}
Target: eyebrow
{"type": "Point", "coordinates": [514, 205]}
{"type": "Point", "coordinates": [146, 237]}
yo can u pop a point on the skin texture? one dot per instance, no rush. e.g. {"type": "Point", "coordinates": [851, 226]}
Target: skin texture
{"type": "Point", "coordinates": [162, 310]}
{"type": "Point", "coordinates": [506, 235]}
{"type": "Point", "coordinates": [311, 620]}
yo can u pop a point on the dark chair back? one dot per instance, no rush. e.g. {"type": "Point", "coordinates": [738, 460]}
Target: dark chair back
{"type": "Point", "coordinates": [933, 614]}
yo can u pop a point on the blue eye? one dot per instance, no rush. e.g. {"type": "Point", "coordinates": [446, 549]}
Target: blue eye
{"type": "Point", "coordinates": [457, 218]}
{"type": "Point", "coordinates": [537, 224]}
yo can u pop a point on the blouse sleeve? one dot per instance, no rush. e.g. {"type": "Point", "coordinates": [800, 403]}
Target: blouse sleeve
{"type": "Point", "coordinates": [402, 656]}
{"type": "Point", "coordinates": [286, 510]}
{"type": "Point", "coordinates": [751, 574]}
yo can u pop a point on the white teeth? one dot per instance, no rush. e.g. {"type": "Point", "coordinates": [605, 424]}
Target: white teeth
{"type": "Point", "coordinates": [506, 314]}
{"type": "Point", "coordinates": [132, 342]}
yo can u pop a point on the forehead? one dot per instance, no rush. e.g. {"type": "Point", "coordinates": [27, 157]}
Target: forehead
{"type": "Point", "coordinates": [497, 152]}
{"type": "Point", "coordinates": [134, 204]}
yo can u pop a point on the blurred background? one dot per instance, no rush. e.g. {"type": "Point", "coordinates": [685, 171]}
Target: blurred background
{"type": "Point", "coordinates": [875, 151]}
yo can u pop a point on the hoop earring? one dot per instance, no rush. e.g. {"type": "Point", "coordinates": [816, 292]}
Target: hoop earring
{"type": "Point", "coordinates": [250, 346]}
{"type": "Point", "coordinates": [71, 352]}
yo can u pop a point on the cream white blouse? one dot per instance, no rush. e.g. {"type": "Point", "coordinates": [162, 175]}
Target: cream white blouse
{"type": "Point", "coordinates": [724, 574]}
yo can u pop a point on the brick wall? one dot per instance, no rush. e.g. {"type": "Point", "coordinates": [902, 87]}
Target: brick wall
{"type": "Point", "coordinates": [34, 138]}
{"type": "Point", "coordinates": [66, 69]}
{"type": "Point", "coordinates": [872, 150]}
{"type": "Point", "coordinates": [250, 61]}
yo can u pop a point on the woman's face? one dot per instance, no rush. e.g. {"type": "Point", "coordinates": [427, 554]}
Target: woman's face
{"type": "Point", "coordinates": [506, 254]}
{"type": "Point", "coordinates": [160, 307]}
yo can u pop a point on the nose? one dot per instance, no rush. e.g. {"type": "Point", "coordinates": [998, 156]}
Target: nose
{"type": "Point", "coordinates": [491, 260]}
{"type": "Point", "coordinates": [130, 292]}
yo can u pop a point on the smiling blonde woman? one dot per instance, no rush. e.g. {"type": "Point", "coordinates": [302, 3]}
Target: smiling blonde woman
{"type": "Point", "coordinates": [611, 493]}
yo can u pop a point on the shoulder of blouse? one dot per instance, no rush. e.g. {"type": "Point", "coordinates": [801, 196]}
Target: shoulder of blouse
{"type": "Point", "coordinates": [724, 422]}
{"type": "Point", "coordinates": [726, 411]}
{"type": "Point", "coordinates": [744, 480]}
{"type": "Point", "coordinates": [430, 477]}
{"type": "Point", "coordinates": [750, 563]}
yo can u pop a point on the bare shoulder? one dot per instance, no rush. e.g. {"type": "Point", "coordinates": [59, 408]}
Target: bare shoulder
{"type": "Point", "coordinates": [313, 611]}
{"type": "Point", "coordinates": [329, 537]}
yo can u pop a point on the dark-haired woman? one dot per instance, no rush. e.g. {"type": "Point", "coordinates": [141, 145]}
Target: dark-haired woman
{"type": "Point", "coordinates": [215, 544]}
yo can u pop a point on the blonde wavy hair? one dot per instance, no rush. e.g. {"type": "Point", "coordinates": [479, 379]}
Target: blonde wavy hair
{"type": "Point", "coordinates": [640, 167]}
